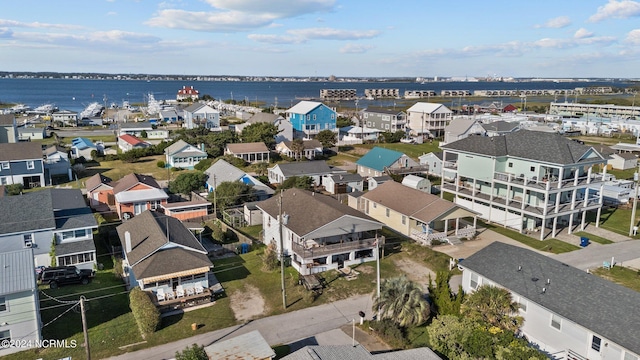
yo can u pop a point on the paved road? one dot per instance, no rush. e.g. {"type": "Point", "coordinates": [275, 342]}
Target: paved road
{"type": "Point", "coordinates": [300, 325]}
{"type": "Point", "coordinates": [595, 254]}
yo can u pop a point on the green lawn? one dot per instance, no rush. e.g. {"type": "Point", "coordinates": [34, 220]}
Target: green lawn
{"type": "Point", "coordinates": [412, 150]}
{"type": "Point", "coordinates": [617, 220]}
{"type": "Point", "coordinates": [620, 275]}
{"type": "Point", "coordinates": [550, 245]}
{"type": "Point", "coordinates": [594, 238]}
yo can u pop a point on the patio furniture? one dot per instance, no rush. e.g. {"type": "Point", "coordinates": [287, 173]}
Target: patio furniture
{"type": "Point", "coordinates": [190, 291]}
{"type": "Point", "coordinates": [198, 287]}
{"type": "Point", "coordinates": [179, 291]}
{"type": "Point", "coordinates": [160, 294]}
{"type": "Point", "coordinates": [169, 295]}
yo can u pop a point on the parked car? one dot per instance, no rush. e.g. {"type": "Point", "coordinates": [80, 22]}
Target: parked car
{"type": "Point", "coordinates": [62, 275]}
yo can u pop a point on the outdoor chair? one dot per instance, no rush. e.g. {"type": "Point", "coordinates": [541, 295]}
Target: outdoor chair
{"type": "Point", "coordinates": [198, 287]}
{"type": "Point", "coordinates": [179, 291]}
{"type": "Point", "coordinates": [160, 294]}
{"type": "Point", "coordinates": [189, 291]}
{"type": "Point", "coordinates": [169, 295]}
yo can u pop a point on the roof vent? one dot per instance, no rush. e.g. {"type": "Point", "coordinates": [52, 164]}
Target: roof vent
{"type": "Point", "coordinates": [534, 279]}
{"type": "Point", "coordinates": [519, 267]}
{"type": "Point", "coordinates": [544, 290]}
{"type": "Point", "coordinates": [127, 241]}
{"type": "Point", "coordinates": [548, 281]}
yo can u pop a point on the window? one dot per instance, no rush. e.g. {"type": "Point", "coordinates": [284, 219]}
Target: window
{"type": "Point", "coordinates": [473, 283]}
{"type": "Point", "coordinates": [366, 115]}
{"type": "Point", "coordinates": [388, 212]}
{"type": "Point", "coordinates": [308, 117]}
{"type": "Point", "coordinates": [5, 165]}
{"type": "Point", "coordinates": [375, 205]}
{"type": "Point", "coordinates": [155, 204]}
{"type": "Point", "coordinates": [556, 322]}
{"type": "Point", "coordinates": [332, 116]}
{"type": "Point", "coordinates": [5, 335]}
{"type": "Point", "coordinates": [139, 207]}
{"type": "Point", "coordinates": [314, 116]}
{"type": "Point", "coordinates": [30, 165]}
{"type": "Point", "coordinates": [595, 343]}
{"type": "Point", "coordinates": [386, 126]}
{"type": "Point", "coordinates": [404, 220]}
{"type": "Point", "coordinates": [3, 305]}
{"type": "Point", "coordinates": [510, 165]}
{"type": "Point", "coordinates": [75, 259]}
{"type": "Point", "coordinates": [80, 233]}
{"type": "Point", "coordinates": [28, 240]}
{"type": "Point", "coordinates": [532, 169]}
{"type": "Point", "coordinates": [3, 180]}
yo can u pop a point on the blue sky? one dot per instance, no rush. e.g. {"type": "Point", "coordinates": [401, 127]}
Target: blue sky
{"type": "Point", "coordinates": [560, 38]}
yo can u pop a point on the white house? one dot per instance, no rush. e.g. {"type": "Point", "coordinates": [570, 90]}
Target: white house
{"type": "Point", "coordinates": [311, 148]}
{"type": "Point", "coordinates": [434, 161]}
{"type": "Point", "coordinates": [428, 119]}
{"type": "Point", "coordinates": [567, 312]}
{"type": "Point", "coordinates": [342, 183]}
{"type": "Point", "coordinates": [221, 171]}
{"type": "Point", "coordinates": [314, 169]}
{"type": "Point", "coordinates": [128, 142]}
{"type": "Point", "coordinates": [199, 114]}
{"type": "Point", "coordinates": [31, 133]}
{"type": "Point", "coordinates": [623, 161]}
{"type": "Point", "coordinates": [138, 129]}
{"type": "Point", "coordinates": [183, 155]}
{"type": "Point", "coordinates": [19, 301]}
{"type": "Point", "coordinates": [319, 232]}
{"type": "Point", "coordinates": [56, 162]}
{"type": "Point", "coordinates": [460, 128]}
{"type": "Point", "coordinates": [285, 129]}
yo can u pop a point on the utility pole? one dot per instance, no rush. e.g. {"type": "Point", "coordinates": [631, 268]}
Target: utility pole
{"type": "Point", "coordinates": [635, 203]}
{"type": "Point", "coordinates": [378, 274]}
{"type": "Point", "coordinates": [84, 328]}
{"type": "Point", "coordinates": [215, 199]}
{"type": "Point", "coordinates": [284, 293]}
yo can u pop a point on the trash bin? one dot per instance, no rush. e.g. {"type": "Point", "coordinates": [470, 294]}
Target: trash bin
{"type": "Point", "coordinates": [584, 241]}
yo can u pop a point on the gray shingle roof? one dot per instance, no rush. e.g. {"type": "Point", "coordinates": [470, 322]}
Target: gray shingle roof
{"type": "Point", "coordinates": [20, 151]}
{"type": "Point", "coordinates": [30, 211]}
{"type": "Point", "coordinates": [501, 126]}
{"type": "Point", "coordinates": [602, 306]}
{"type": "Point", "coordinates": [524, 144]}
{"type": "Point", "coordinates": [70, 209]}
{"type": "Point", "coordinates": [302, 168]}
{"type": "Point", "coordinates": [342, 352]}
{"type": "Point", "coordinates": [18, 272]}
{"type": "Point", "coordinates": [75, 247]}
{"type": "Point", "coordinates": [223, 172]}
{"type": "Point", "coordinates": [7, 119]}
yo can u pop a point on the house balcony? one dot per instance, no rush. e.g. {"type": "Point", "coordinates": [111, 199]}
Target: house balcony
{"type": "Point", "coordinates": [547, 184]}
{"type": "Point", "coordinates": [450, 165]}
{"type": "Point", "coordinates": [420, 169]}
{"type": "Point", "coordinates": [310, 252]}
{"type": "Point", "coordinates": [515, 203]}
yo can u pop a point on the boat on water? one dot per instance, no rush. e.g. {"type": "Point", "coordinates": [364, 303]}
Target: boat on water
{"type": "Point", "coordinates": [92, 110]}
{"type": "Point", "coordinates": [16, 109]}
{"type": "Point", "coordinates": [45, 109]}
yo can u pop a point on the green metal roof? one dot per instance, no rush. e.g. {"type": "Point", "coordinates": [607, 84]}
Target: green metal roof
{"type": "Point", "coordinates": [378, 158]}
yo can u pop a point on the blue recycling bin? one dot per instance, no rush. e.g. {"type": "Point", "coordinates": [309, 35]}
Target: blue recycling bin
{"type": "Point", "coordinates": [584, 241]}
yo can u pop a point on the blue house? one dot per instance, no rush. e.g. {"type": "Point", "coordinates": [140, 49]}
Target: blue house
{"type": "Point", "coordinates": [82, 147]}
{"type": "Point", "coordinates": [21, 163]}
{"type": "Point", "coordinates": [379, 161]}
{"type": "Point", "coordinates": [308, 118]}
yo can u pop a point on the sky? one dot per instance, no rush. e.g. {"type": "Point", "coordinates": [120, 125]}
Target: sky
{"type": "Point", "coordinates": [354, 38]}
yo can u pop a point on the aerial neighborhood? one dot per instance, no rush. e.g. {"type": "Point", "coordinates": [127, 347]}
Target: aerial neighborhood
{"type": "Point", "coordinates": [434, 231]}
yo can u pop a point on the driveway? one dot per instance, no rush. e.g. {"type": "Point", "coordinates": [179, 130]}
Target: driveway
{"type": "Point", "coordinates": [592, 256]}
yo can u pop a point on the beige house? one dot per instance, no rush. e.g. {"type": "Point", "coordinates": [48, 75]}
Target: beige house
{"type": "Point", "coordinates": [255, 152]}
{"type": "Point", "coordinates": [421, 216]}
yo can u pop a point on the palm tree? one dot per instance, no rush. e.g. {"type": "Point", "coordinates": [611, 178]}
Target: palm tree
{"type": "Point", "coordinates": [402, 301]}
{"type": "Point", "coordinates": [493, 305]}
{"type": "Point", "coordinates": [297, 146]}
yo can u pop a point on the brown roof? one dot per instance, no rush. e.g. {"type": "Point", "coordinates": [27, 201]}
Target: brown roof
{"type": "Point", "coordinates": [20, 151]}
{"type": "Point", "coordinates": [130, 180]}
{"type": "Point", "coordinates": [411, 202]}
{"type": "Point", "coordinates": [53, 149]}
{"type": "Point", "coordinates": [150, 231]}
{"type": "Point", "coordinates": [308, 144]}
{"type": "Point", "coordinates": [7, 119]}
{"type": "Point", "coordinates": [243, 148]}
{"type": "Point", "coordinates": [97, 180]}
{"type": "Point", "coordinates": [311, 210]}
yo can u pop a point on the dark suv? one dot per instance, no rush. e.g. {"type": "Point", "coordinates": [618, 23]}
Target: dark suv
{"type": "Point", "coordinates": [60, 275]}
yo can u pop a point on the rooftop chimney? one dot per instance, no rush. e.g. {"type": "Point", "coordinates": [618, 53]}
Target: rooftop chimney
{"type": "Point", "coordinates": [127, 241]}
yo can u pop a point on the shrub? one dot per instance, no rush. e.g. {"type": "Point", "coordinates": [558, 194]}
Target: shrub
{"type": "Point", "coordinates": [146, 314]}
{"type": "Point", "coordinates": [118, 271]}
{"type": "Point", "coordinates": [194, 352]}
{"type": "Point", "coordinates": [390, 332]}
{"type": "Point", "coordinates": [160, 164]}
{"type": "Point", "coordinates": [14, 189]}
{"type": "Point", "coordinates": [203, 164]}
{"type": "Point", "coordinates": [175, 169]}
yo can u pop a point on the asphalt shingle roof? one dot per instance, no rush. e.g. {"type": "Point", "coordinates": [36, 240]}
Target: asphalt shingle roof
{"type": "Point", "coordinates": [302, 168]}
{"type": "Point", "coordinates": [128, 181]}
{"type": "Point", "coordinates": [524, 144]}
{"type": "Point", "coordinates": [378, 158]}
{"type": "Point", "coordinates": [601, 306]}
{"type": "Point", "coordinates": [75, 247]}
{"type": "Point", "coordinates": [70, 209]}
{"type": "Point", "coordinates": [7, 119]}
{"type": "Point", "coordinates": [20, 151]}
{"type": "Point", "coordinates": [30, 211]}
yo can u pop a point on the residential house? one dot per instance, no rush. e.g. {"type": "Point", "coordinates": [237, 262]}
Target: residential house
{"type": "Point", "coordinates": [139, 129]}
{"type": "Point", "coordinates": [309, 118]}
{"type": "Point", "coordinates": [389, 120]}
{"type": "Point", "coordinates": [380, 161]}
{"type": "Point", "coordinates": [136, 193]}
{"type": "Point", "coordinates": [56, 217]}
{"type": "Point", "coordinates": [313, 169]}
{"type": "Point", "coordinates": [285, 129]}
{"type": "Point", "coordinates": [221, 171]}
{"type": "Point", "coordinates": [622, 161]}
{"type": "Point", "coordinates": [66, 117]}
{"type": "Point", "coordinates": [21, 163]}
{"type": "Point", "coordinates": [359, 352]}
{"type": "Point", "coordinates": [318, 232]}
{"type": "Point", "coordinates": [311, 149]}
{"type": "Point", "coordinates": [419, 215]}
{"type": "Point", "coordinates": [252, 153]}
{"type": "Point", "coordinates": [128, 142]}
{"type": "Point", "coordinates": [184, 155]}
{"type": "Point", "coordinates": [31, 133]}
{"type": "Point", "coordinates": [19, 301]}
{"type": "Point", "coordinates": [82, 147]}
{"type": "Point", "coordinates": [526, 180]}
{"type": "Point", "coordinates": [342, 183]}
{"type": "Point", "coordinates": [434, 161]}
{"type": "Point", "coordinates": [460, 128]}
{"type": "Point", "coordinates": [375, 181]}
{"type": "Point", "coordinates": [428, 119]}
{"type": "Point", "coordinates": [199, 114]}
{"type": "Point", "coordinates": [554, 299]}
{"type": "Point", "coordinates": [246, 346]}
{"type": "Point", "coordinates": [352, 134]}
{"type": "Point", "coordinates": [100, 191]}
{"type": "Point", "coordinates": [188, 93]}
{"type": "Point", "coordinates": [499, 128]}
{"type": "Point", "coordinates": [8, 129]}
{"type": "Point", "coordinates": [169, 116]}
{"type": "Point", "coordinates": [163, 257]}
{"type": "Point", "coordinates": [56, 162]}
{"type": "Point", "coordinates": [186, 210]}
{"type": "Point", "coordinates": [509, 108]}
{"type": "Point", "coordinates": [91, 121]}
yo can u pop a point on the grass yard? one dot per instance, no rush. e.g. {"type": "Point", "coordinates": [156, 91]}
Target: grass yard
{"type": "Point", "coordinates": [617, 220]}
{"type": "Point", "coordinates": [117, 169]}
{"type": "Point", "coordinates": [620, 275]}
{"type": "Point", "coordinates": [594, 238]}
{"type": "Point", "coordinates": [550, 245]}
{"type": "Point", "coordinates": [412, 150]}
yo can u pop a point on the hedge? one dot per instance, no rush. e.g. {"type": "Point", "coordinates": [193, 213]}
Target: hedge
{"type": "Point", "coordinates": [146, 314]}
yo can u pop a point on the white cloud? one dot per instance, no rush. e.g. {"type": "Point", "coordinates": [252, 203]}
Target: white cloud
{"type": "Point", "coordinates": [275, 39]}
{"type": "Point", "coordinates": [633, 37]}
{"type": "Point", "coordinates": [616, 9]}
{"type": "Point", "coordinates": [5, 33]}
{"type": "Point", "coordinates": [277, 8]}
{"type": "Point", "coordinates": [230, 21]}
{"type": "Point", "coordinates": [355, 49]}
{"type": "Point", "coordinates": [556, 23]}
{"type": "Point", "coordinates": [334, 34]}
{"type": "Point", "coordinates": [582, 33]}
{"type": "Point", "coordinates": [112, 13]}
{"type": "Point", "coordinates": [37, 25]}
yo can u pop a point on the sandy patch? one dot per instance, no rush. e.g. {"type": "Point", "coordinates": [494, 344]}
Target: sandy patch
{"type": "Point", "coordinates": [416, 272]}
{"type": "Point", "coordinates": [247, 303]}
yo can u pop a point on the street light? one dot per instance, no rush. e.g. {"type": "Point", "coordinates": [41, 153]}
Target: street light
{"type": "Point", "coordinates": [632, 225]}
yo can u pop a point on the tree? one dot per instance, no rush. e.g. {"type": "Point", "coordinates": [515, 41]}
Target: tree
{"type": "Point", "coordinates": [185, 183]}
{"type": "Point", "coordinates": [493, 305]}
{"type": "Point", "coordinates": [392, 137]}
{"type": "Point", "coordinates": [327, 138]}
{"type": "Point", "coordinates": [299, 182]}
{"type": "Point", "coordinates": [343, 122]}
{"type": "Point", "coordinates": [230, 193]}
{"type": "Point", "coordinates": [297, 146]}
{"type": "Point", "coordinates": [402, 301]}
{"type": "Point", "coordinates": [14, 189]}
{"type": "Point", "coordinates": [260, 132]}
{"type": "Point", "coordinates": [444, 301]}
{"type": "Point", "coordinates": [143, 134]}
{"type": "Point", "coordinates": [194, 352]}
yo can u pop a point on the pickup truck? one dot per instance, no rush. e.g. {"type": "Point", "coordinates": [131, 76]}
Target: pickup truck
{"type": "Point", "coordinates": [62, 275]}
